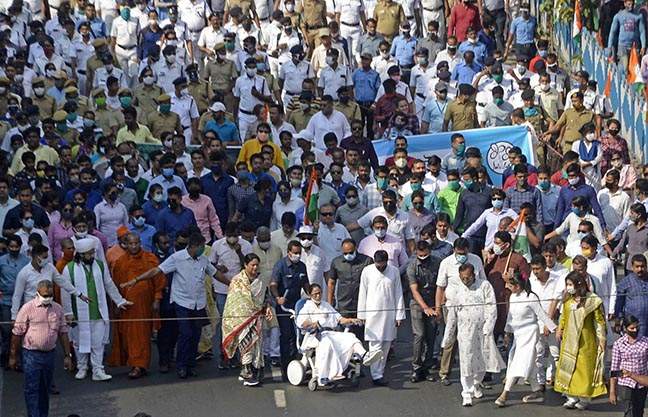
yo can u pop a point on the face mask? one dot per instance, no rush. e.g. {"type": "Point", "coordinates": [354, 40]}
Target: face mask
{"type": "Point", "coordinates": [451, 49]}
{"type": "Point", "coordinates": [231, 240]}
{"type": "Point", "coordinates": [380, 233]}
{"type": "Point", "coordinates": [170, 58]}
{"type": "Point", "coordinates": [400, 162]}
{"type": "Point", "coordinates": [521, 68]}
{"type": "Point", "coordinates": [221, 56]}
{"type": "Point", "coordinates": [45, 300]}
{"type": "Point", "coordinates": [167, 172]}
{"type": "Point", "coordinates": [71, 117]}
{"type": "Point", "coordinates": [62, 127]}
{"type": "Point", "coordinates": [544, 185]}
{"type": "Point", "coordinates": [576, 211]}
{"type": "Point", "coordinates": [294, 258]}
{"type": "Point", "coordinates": [396, 78]}
{"type": "Point", "coordinates": [497, 250]}
{"type": "Point", "coordinates": [571, 290]}
{"type": "Point", "coordinates": [415, 186]}
{"type": "Point", "coordinates": [573, 181]}
{"type": "Point", "coordinates": [290, 7]}
{"type": "Point", "coordinates": [306, 243]}
{"type": "Point", "coordinates": [229, 45]}
{"type": "Point", "coordinates": [264, 245]}
{"type": "Point", "coordinates": [42, 262]}
{"type": "Point", "coordinates": [498, 77]}
{"type": "Point", "coordinates": [542, 53]}
{"type": "Point", "coordinates": [613, 132]}
{"type": "Point", "coordinates": [158, 197]}
{"type": "Point", "coordinates": [422, 61]}
{"type": "Point", "coordinates": [633, 334]}
{"type": "Point", "coordinates": [200, 251]}
{"type": "Point", "coordinates": [498, 204]}
{"type": "Point", "coordinates": [499, 101]}
{"type": "Point", "coordinates": [88, 123]}
{"type": "Point", "coordinates": [461, 258]}
{"type": "Point", "coordinates": [100, 101]}
{"type": "Point", "coordinates": [588, 253]}
{"type": "Point", "coordinates": [148, 80]}
{"type": "Point", "coordinates": [330, 60]}
{"type": "Point", "coordinates": [390, 207]}
{"type": "Point", "coordinates": [590, 136]}
{"type": "Point", "coordinates": [453, 185]}
{"type": "Point", "coordinates": [28, 223]}
{"type": "Point", "coordinates": [581, 235]}
{"type": "Point", "coordinates": [352, 201]}
{"type": "Point", "coordinates": [545, 87]}
{"type": "Point", "coordinates": [468, 183]}
{"type": "Point", "coordinates": [381, 183]}
{"type": "Point", "coordinates": [295, 182]}
{"type": "Point", "coordinates": [50, 73]}
{"type": "Point", "coordinates": [165, 108]}
{"type": "Point", "coordinates": [423, 258]}
{"type": "Point", "coordinates": [139, 221]}
{"type": "Point", "coordinates": [125, 101]}
{"type": "Point", "coordinates": [250, 72]}
{"type": "Point", "coordinates": [39, 91]}
{"type": "Point", "coordinates": [460, 150]}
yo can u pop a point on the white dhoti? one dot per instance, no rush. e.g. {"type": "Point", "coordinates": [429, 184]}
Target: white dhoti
{"type": "Point", "coordinates": [89, 341]}
{"type": "Point", "coordinates": [522, 358]}
{"type": "Point", "coordinates": [545, 364]}
{"type": "Point", "coordinates": [334, 352]}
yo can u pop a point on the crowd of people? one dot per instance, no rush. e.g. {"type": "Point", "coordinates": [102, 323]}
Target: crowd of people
{"type": "Point", "coordinates": [122, 199]}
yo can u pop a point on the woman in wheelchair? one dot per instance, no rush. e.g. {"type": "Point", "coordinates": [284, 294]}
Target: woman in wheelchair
{"type": "Point", "coordinates": [334, 349]}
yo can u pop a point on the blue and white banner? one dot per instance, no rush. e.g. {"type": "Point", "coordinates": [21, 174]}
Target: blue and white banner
{"type": "Point", "coordinates": [493, 142]}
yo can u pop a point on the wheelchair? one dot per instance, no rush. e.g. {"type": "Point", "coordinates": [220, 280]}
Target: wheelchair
{"type": "Point", "coordinates": [300, 370]}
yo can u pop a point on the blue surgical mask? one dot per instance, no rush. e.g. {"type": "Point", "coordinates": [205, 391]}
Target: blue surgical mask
{"type": "Point", "coordinates": [139, 221]}
{"type": "Point", "coordinates": [468, 183]}
{"type": "Point", "coordinates": [380, 233]}
{"type": "Point", "coordinates": [498, 204]}
{"type": "Point", "coordinates": [28, 223]}
{"type": "Point", "coordinates": [577, 211]}
{"type": "Point", "coordinates": [581, 235]}
{"type": "Point", "coordinates": [544, 185]}
{"type": "Point", "coordinates": [167, 172]}
{"type": "Point", "coordinates": [461, 258]}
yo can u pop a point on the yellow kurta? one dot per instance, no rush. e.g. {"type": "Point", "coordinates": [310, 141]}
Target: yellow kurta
{"type": "Point", "coordinates": [580, 367]}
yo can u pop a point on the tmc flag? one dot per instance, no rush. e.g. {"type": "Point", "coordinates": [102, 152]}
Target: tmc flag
{"type": "Point", "coordinates": [493, 142]}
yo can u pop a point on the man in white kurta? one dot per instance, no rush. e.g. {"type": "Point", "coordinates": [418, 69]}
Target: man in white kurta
{"type": "Point", "coordinates": [92, 331]}
{"type": "Point", "coordinates": [471, 321]}
{"type": "Point", "coordinates": [333, 350]}
{"type": "Point", "coordinates": [381, 306]}
{"type": "Point", "coordinates": [317, 264]}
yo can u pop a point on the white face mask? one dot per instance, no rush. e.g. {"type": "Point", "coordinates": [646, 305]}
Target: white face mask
{"type": "Point", "coordinates": [170, 58]}
{"type": "Point", "coordinates": [545, 87]}
{"type": "Point", "coordinates": [571, 290]}
{"type": "Point", "coordinates": [50, 73]}
{"type": "Point", "coordinates": [39, 91]}
{"type": "Point", "coordinates": [294, 258]}
{"type": "Point", "coordinates": [45, 300]}
{"type": "Point", "coordinates": [306, 243]}
{"type": "Point", "coordinates": [521, 68]}
{"type": "Point", "coordinates": [80, 235]}
{"type": "Point", "coordinates": [590, 136]}
{"type": "Point", "coordinates": [250, 72]}
{"type": "Point", "coordinates": [349, 256]}
{"type": "Point", "coordinates": [184, 91]}
{"type": "Point", "coordinates": [18, 78]}
{"type": "Point", "coordinates": [149, 80]}
{"type": "Point", "coordinates": [290, 7]}
{"type": "Point", "coordinates": [330, 60]}
{"type": "Point", "coordinates": [497, 250]}
{"type": "Point", "coordinates": [400, 162]}
{"type": "Point", "coordinates": [264, 245]}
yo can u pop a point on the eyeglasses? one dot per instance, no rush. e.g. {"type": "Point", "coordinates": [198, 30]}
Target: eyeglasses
{"type": "Point", "coordinates": [328, 213]}
{"type": "Point", "coordinates": [263, 131]}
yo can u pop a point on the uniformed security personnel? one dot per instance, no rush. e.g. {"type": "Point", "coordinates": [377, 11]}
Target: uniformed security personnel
{"type": "Point", "coordinates": [168, 69]}
{"type": "Point", "coordinates": [251, 90]}
{"type": "Point", "coordinates": [181, 31]}
{"type": "Point", "coordinates": [420, 77]}
{"type": "Point", "coordinates": [146, 93]}
{"type": "Point", "coordinates": [221, 74]}
{"type": "Point", "coordinates": [46, 104]}
{"type": "Point", "coordinates": [301, 116]}
{"type": "Point", "coordinates": [84, 50]}
{"type": "Point", "coordinates": [163, 119]}
{"type": "Point", "coordinates": [194, 13]}
{"type": "Point", "coordinates": [334, 75]}
{"type": "Point", "coordinates": [351, 15]}
{"type": "Point", "coordinates": [388, 15]}
{"type": "Point", "coordinates": [346, 106]}
{"type": "Point", "coordinates": [72, 94]}
{"type": "Point", "coordinates": [292, 74]}
{"type": "Point", "coordinates": [124, 34]}
{"type": "Point", "coordinates": [185, 106]}
{"type": "Point", "coordinates": [295, 18]}
{"type": "Point", "coordinates": [62, 129]}
{"type": "Point", "coordinates": [247, 8]}
{"type": "Point", "coordinates": [461, 112]}
{"type": "Point", "coordinates": [108, 120]}
{"type": "Point", "coordinates": [314, 19]}
{"type": "Point", "coordinates": [96, 61]}
{"type": "Point", "coordinates": [108, 69]}
{"type": "Point", "coordinates": [198, 89]}
{"type": "Point", "coordinates": [264, 71]}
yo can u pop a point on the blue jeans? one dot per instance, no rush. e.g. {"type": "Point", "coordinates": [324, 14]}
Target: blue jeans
{"type": "Point", "coordinates": [188, 336]}
{"type": "Point", "coordinates": [219, 299]}
{"type": "Point", "coordinates": [38, 368]}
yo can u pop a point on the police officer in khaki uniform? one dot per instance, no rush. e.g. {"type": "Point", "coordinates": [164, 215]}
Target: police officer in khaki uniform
{"type": "Point", "coordinates": [72, 94]}
{"type": "Point", "coordinates": [164, 120]}
{"type": "Point", "coordinates": [314, 19]}
{"type": "Point", "coordinates": [221, 74]}
{"type": "Point", "coordinates": [388, 15]}
{"type": "Point", "coordinates": [46, 104]}
{"type": "Point", "coordinates": [5, 95]}
{"type": "Point", "coordinates": [461, 112]}
{"type": "Point", "coordinates": [199, 89]}
{"type": "Point", "coordinates": [346, 106]}
{"type": "Point", "coordinates": [146, 94]}
{"type": "Point", "coordinates": [68, 134]}
{"type": "Point", "coordinates": [246, 6]}
{"type": "Point", "coordinates": [96, 61]}
{"type": "Point", "coordinates": [264, 71]}
{"type": "Point", "coordinates": [108, 120]}
{"type": "Point", "coordinates": [300, 117]}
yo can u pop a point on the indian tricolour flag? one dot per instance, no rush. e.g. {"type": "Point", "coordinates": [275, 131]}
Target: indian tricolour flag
{"type": "Point", "coordinates": [312, 193]}
{"type": "Point", "coordinates": [635, 80]}
{"type": "Point", "coordinates": [577, 26]}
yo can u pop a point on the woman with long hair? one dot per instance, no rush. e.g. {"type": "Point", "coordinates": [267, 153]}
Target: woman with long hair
{"type": "Point", "coordinates": [525, 311]}
{"type": "Point", "coordinates": [243, 315]}
{"type": "Point", "coordinates": [581, 333]}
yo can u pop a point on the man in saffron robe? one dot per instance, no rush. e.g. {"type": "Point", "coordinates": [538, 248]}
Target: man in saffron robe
{"type": "Point", "coordinates": [117, 250]}
{"type": "Point", "coordinates": [132, 339]}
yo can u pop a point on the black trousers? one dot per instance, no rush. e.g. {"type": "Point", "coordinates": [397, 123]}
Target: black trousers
{"type": "Point", "coordinates": [424, 329]}
{"type": "Point", "coordinates": [499, 17]}
{"type": "Point", "coordinates": [366, 115]}
{"type": "Point", "coordinates": [287, 341]}
{"type": "Point", "coordinates": [634, 400]}
{"type": "Point", "coordinates": [167, 335]}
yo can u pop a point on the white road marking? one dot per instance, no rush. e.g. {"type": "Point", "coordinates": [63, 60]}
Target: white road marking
{"type": "Point", "coordinates": [276, 374]}
{"type": "Point", "coordinates": [280, 398]}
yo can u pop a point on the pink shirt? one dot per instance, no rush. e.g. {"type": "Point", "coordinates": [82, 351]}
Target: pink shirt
{"type": "Point", "coordinates": [40, 325]}
{"type": "Point", "coordinates": [205, 214]}
{"type": "Point", "coordinates": [392, 245]}
{"type": "Point", "coordinates": [55, 234]}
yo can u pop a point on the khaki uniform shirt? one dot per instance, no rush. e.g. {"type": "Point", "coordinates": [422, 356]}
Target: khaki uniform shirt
{"type": "Point", "coordinates": [245, 5]}
{"type": "Point", "coordinates": [221, 75]}
{"type": "Point", "coordinates": [108, 120]}
{"type": "Point", "coordinates": [46, 106]}
{"type": "Point", "coordinates": [462, 116]}
{"type": "Point", "coordinates": [299, 119]}
{"type": "Point", "coordinates": [202, 93]}
{"type": "Point", "coordinates": [313, 12]}
{"type": "Point", "coordinates": [159, 123]}
{"type": "Point", "coordinates": [388, 16]}
{"type": "Point", "coordinates": [351, 110]}
{"type": "Point", "coordinates": [145, 98]}
{"type": "Point", "coordinates": [573, 120]}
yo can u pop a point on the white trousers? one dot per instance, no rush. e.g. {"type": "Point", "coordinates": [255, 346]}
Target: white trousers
{"type": "Point", "coordinates": [429, 16]}
{"type": "Point", "coordinates": [352, 36]}
{"type": "Point", "coordinates": [378, 367]}
{"type": "Point", "coordinates": [468, 384]}
{"type": "Point", "coordinates": [245, 121]}
{"type": "Point", "coordinates": [271, 342]}
{"type": "Point", "coordinates": [419, 106]}
{"type": "Point", "coordinates": [98, 330]}
{"type": "Point", "coordinates": [127, 59]}
{"type": "Point", "coordinates": [546, 363]}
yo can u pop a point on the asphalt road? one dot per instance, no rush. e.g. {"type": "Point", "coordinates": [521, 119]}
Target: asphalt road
{"type": "Point", "coordinates": [217, 393]}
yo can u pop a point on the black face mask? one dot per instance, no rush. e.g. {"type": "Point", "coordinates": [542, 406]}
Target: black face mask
{"type": "Point", "coordinates": [390, 207]}
{"type": "Point", "coordinates": [14, 254]}
{"type": "Point", "coordinates": [633, 334]}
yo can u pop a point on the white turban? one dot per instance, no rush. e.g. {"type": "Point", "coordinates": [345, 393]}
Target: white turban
{"type": "Point", "coordinates": [84, 245]}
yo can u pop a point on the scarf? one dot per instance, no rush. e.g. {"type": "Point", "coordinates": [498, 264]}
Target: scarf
{"type": "Point", "coordinates": [588, 155]}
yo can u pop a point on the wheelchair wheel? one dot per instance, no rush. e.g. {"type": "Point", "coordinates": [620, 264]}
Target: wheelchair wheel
{"type": "Point", "coordinates": [312, 384]}
{"type": "Point", "coordinates": [295, 372]}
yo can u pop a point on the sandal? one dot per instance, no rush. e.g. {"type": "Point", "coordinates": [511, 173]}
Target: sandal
{"type": "Point", "coordinates": [136, 373]}
{"type": "Point", "coordinates": [501, 401]}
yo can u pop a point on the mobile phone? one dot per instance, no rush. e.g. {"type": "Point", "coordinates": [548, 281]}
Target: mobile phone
{"type": "Point", "coordinates": [616, 374]}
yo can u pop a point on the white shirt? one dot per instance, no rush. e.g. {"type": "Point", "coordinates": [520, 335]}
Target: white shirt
{"type": "Point", "coordinates": [294, 75]}
{"type": "Point", "coordinates": [380, 302]}
{"type": "Point", "coordinates": [166, 73]}
{"type": "Point", "coordinates": [571, 223]}
{"type": "Point", "coordinates": [451, 60]}
{"type": "Point", "coordinates": [397, 225]}
{"type": "Point", "coordinates": [125, 32]}
{"type": "Point", "coordinates": [550, 290]}
{"type": "Point", "coordinates": [330, 239]}
{"type": "Point", "coordinates": [450, 237]}
{"type": "Point", "coordinates": [401, 88]}
{"type": "Point", "coordinates": [319, 125]}
{"type": "Point", "coordinates": [188, 286]}
{"type": "Point", "coordinates": [615, 206]}
{"type": "Point", "coordinates": [381, 65]}
{"type": "Point", "coordinates": [279, 239]}
{"type": "Point", "coordinates": [243, 88]}
{"type": "Point", "coordinates": [210, 37]}
{"type": "Point", "coordinates": [449, 271]}
{"type": "Point", "coordinates": [332, 79]}
{"type": "Point", "coordinates": [350, 11]}
{"type": "Point", "coordinates": [101, 76]}
{"type": "Point", "coordinates": [420, 79]}
{"type": "Point", "coordinates": [185, 107]}
{"type": "Point", "coordinates": [317, 264]}
{"type": "Point", "coordinates": [194, 14]}
{"type": "Point", "coordinates": [492, 221]}
{"type": "Point", "coordinates": [223, 254]}
{"type": "Point", "coordinates": [601, 271]}
{"type": "Point", "coordinates": [279, 208]}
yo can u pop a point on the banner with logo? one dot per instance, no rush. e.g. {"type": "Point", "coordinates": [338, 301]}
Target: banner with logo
{"type": "Point", "coordinates": [493, 142]}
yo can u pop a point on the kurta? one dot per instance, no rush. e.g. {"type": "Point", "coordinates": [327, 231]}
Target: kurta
{"type": "Point", "coordinates": [380, 303]}
{"type": "Point", "coordinates": [494, 271]}
{"type": "Point", "coordinates": [579, 372]}
{"type": "Point", "coordinates": [132, 340]}
{"type": "Point", "coordinates": [471, 321]}
{"type": "Point", "coordinates": [524, 312]}
{"type": "Point", "coordinates": [333, 349]}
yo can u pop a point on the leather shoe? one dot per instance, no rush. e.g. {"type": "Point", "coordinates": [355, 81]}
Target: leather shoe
{"type": "Point", "coordinates": [164, 369]}
{"type": "Point", "coordinates": [182, 373]}
{"type": "Point", "coordinates": [381, 382]}
{"type": "Point", "coordinates": [445, 381]}
{"type": "Point", "coordinates": [415, 377]}
{"type": "Point", "coordinates": [192, 372]}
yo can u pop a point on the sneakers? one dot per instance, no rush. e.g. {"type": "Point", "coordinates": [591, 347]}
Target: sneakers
{"type": "Point", "coordinates": [534, 397]}
{"type": "Point", "coordinates": [570, 404]}
{"type": "Point", "coordinates": [445, 381]}
{"type": "Point", "coordinates": [81, 373]}
{"type": "Point", "coordinates": [581, 405]}
{"type": "Point", "coordinates": [467, 402]}
{"type": "Point", "coordinates": [371, 356]}
{"type": "Point", "coordinates": [100, 375]}
{"type": "Point", "coordinates": [252, 381]}
{"type": "Point", "coordinates": [477, 393]}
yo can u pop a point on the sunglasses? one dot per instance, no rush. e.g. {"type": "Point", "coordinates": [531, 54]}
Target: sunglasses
{"type": "Point", "coordinates": [328, 213]}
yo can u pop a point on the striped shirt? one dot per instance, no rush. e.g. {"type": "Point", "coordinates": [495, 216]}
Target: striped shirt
{"type": "Point", "coordinates": [632, 357]}
{"type": "Point", "coordinates": [40, 325]}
